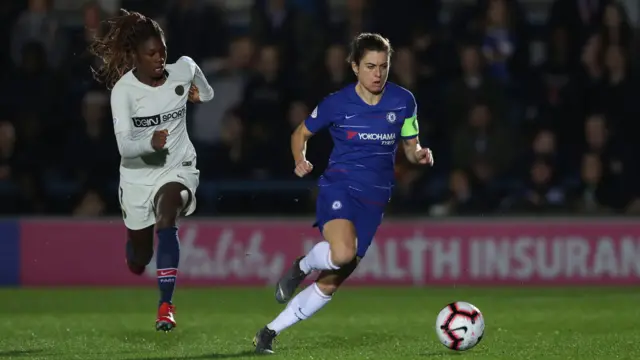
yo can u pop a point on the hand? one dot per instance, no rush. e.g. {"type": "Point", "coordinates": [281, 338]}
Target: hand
{"type": "Point", "coordinates": [424, 157]}
{"type": "Point", "coordinates": [159, 139]}
{"type": "Point", "coordinates": [303, 167]}
{"type": "Point", "coordinates": [194, 94]}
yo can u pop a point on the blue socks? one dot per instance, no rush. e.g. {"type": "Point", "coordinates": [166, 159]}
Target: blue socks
{"type": "Point", "coordinates": [167, 259]}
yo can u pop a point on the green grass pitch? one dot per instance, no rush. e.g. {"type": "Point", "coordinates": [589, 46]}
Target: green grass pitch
{"type": "Point", "coordinates": [372, 323]}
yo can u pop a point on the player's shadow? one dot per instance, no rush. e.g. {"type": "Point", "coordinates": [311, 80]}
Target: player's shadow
{"type": "Point", "coordinates": [242, 354]}
{"type": "Point", "coordinates": [19, 353]}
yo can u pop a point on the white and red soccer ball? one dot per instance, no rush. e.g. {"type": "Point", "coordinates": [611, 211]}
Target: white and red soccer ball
{"type": "Point", "coordinates": [460, 326]}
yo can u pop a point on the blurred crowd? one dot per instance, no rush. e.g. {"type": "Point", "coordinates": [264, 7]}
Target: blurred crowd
{"type": "Point", "coordinates": [515, 128]}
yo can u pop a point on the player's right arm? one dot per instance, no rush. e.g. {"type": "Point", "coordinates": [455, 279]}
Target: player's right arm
{"type": "Point", "coordinates": [122, 126]}
{"type": "Point", "coordinates": [318, 119]}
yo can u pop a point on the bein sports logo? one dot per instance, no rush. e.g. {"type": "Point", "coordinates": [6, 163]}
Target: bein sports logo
{"type": "Point", "coordinates": [384, 138]}
{"type": "Point", "coordinates": [155, 120]}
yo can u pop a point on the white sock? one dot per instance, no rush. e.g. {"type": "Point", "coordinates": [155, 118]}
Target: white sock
{"type": "Point", "coordinates": [319, 258]}
{"type": "Point", "coordinates": [301, 307]}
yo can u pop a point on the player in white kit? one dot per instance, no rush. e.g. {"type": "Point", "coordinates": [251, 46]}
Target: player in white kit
{"type": "Point", "coordinates": [158, 174]}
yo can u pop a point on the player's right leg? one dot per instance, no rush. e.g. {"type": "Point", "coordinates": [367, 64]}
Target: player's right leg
{"type": "Point", "coordinates": [335, 211]}
{"type": "Point", "coordinates": [137, 214]}
{"type": "Point", "coordinates": [139, 249]}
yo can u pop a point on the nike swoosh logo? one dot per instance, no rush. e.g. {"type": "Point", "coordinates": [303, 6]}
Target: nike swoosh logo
{"type": "Point", "coordinates": [349, 117]}
{"type": "Point", "coordinates": [165, 273]}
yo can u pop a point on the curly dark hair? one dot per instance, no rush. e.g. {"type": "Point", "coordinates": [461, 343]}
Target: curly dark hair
{"type": "Point", "coordinates": [116, 45]}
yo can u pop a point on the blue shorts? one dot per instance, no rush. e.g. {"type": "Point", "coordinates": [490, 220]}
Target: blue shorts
{"type": "Point", "coordinates": [364, 209]}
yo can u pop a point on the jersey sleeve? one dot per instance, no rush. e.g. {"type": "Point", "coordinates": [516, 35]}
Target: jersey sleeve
{"type": "Point", "coordinates": [410, 128]}
{"type": "Point", "coordinates": [321, 117]}
{"type": "Point", "coordinates": [199, 79]}
{"type": "Point", "coordinates": [121, 110]}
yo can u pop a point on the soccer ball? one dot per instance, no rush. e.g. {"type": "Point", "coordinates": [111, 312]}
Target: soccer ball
{"type": "Point", "coordinates": [460, 326]}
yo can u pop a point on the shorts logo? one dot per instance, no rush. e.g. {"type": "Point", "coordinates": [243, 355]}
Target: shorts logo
{"type": "Point", "coordinates": [391, 117]}
{"type": "Point", "coordinates": [179, 90]}
{"type": "Point", "coordinates": [337, 205]}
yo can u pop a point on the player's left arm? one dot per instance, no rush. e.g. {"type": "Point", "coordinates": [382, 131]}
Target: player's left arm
{"type": "Point", "coordinates": [205, 91]}
{"type": "Point", "coordinates": [410, 131]}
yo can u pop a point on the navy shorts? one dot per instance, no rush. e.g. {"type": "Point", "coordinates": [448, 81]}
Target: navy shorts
{"type": "Point", "coordinates": [364, 209]}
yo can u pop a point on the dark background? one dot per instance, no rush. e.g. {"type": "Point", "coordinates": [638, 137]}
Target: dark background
{"type": "Point", "coordinates": [529, 106]}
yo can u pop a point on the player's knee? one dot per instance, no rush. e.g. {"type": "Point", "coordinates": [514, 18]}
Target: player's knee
{"type": "Point", "coordinates": [343, 252]}
{"type": "Point", "coordinates": [169, 204]}
{"type": "Point", "coordinates": [327, 286]}
{"type": "Point", "coordinates": [341, 235]}
{"type": "Point", "coordinates": [167, 213]}
{"type": "Point", "coordinates": [164, 221]}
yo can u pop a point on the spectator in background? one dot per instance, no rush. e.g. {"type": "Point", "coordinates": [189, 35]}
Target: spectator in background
{"type": "Point", "coordinates": [588, 81]}
{"type": "Point", "coordinates": [228, 82]}
{"type": "Point", "coordinates": [499, 39]}
{"type": "Point", "coordinates": [196, 28]}
{"type": "Point", "coordinates": [595, 194]}
{"type": "Point", "coordinates": [482, 138]}
{"type": "Point", "coordinates": [461, 199]}
{"type": "Point", "coordinates": [99, 157]}
{"type": "Point", "coordinates": [599, 141]}
{"type": "Point", "coordinates": [543, 193]}
{"type": "Point", "coordinates": [580, 17]}
{"type": "Point", "coordinates": [555, 78]}
{"type": "Point", "coordinates": [230, 157]}
{"type": "Point", "coordinates": [91, 204]}
{"type": "Point", "coordinates": [265, 97]}
{"type": "Point", "coordinates": [355, 19]}
{"type": "Point", "coordinates": [9, 12]}
{"type": "Point", "coordinates": [470, 87]}
{"type": "Point", "coordinates": [619, 93]}
{"type": "Point", "coordinates": [615, 27]}
{"type": "Point", "coordinates": [21, 167]}
{"type": "Point", "coordinates": [544, 146]}
{"type": "Point", "coordinates": [8, 158]}
{"type": "Point", "coordinates": [9, 169]}
{"type": "Point", "coordinates": [33, 79]}
{"type": "Point", "coordinates": [78, 61]}
{"type": "Point", "coordinates": [38, 24]}
{"type": "Point", "coordinates": [334, 74]}
{"type": "Point", "coordinates": [276, 24]}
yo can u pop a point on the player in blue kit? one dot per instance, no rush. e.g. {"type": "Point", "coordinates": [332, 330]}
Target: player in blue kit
{"type": "Point", "coordinates": [366, 121]}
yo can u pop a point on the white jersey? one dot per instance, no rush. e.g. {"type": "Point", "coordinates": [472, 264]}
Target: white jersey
{"type": "Point", "coordinates": [139, 110]}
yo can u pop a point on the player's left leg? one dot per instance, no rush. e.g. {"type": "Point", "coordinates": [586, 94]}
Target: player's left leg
{"type": "Point", "coordinates": [170, 201]}
{"type": "Point", "coordinates": [304, 305]}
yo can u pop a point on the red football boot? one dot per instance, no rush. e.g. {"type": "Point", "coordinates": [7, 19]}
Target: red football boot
{"type": "Point", "coordinates": [165, 321]}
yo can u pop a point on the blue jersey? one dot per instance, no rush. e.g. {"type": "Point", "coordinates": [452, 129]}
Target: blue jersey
{"type": "Point", "coordinates": [365, 137]}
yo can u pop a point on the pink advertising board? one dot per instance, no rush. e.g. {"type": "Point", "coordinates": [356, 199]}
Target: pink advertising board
{"type": "Point", "coordinates": [236, 252]}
